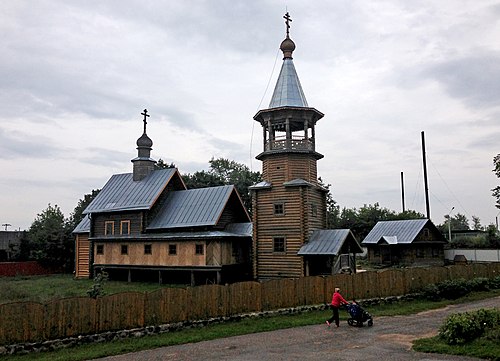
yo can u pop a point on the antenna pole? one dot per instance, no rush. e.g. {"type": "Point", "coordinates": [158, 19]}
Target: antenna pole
{"type": "Point", "coordinates": [426, 185]}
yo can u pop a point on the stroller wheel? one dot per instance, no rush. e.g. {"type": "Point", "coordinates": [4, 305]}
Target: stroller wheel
{"type": "Point", "coordinates": [350, 321]}
{"type": "Point", "coordinates": [370, 322]}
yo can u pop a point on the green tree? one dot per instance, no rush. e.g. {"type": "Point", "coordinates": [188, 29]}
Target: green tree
{"type": "Point", "coordinates": [496, 170]}
{"type": "Point", "coordinates": [361, 221]}
{"type": "Point", "coordinates": [476, 224]}
{"type": "Point", "coordinates": [49, 239]}
{"type": "Point", "coordinates": [332, 208]}
{"type": "Point", "coordinates": [76, 217]}
{"type": "Point", "coordinates": [222, 172]}
{"type": "Point", "coordinates": [162, 165]}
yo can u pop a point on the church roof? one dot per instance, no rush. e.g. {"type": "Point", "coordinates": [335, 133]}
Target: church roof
{"type": "Point", "coordinates": [122, 193]}
{"type": "Point", "coordinates": [194, 207]}
{"type": "Point", "coordinates": [288, 91]}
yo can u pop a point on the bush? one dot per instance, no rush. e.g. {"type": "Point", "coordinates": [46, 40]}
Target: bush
{"type": "Point", "coordinates": [495, 283]}
{"type": "Point", "coordinates": [460, 328]}
{"type": "Point", "coordinates": [479, 284]}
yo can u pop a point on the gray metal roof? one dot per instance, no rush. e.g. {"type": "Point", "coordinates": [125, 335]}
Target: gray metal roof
{"type": "Point", "coordinates": [263, 184]}
{"type": "Point", "coordinates": [121, 192]}
{"type": "Point", "coordinates": [329, 242]}
{"type": "Point", "coordinates": [288, 91]}
{"type": "Point", "coordinates": [83, 226]}
{"type": "Point", "coordinates": [194, 207]}
{"type": "Point", "coordinates": [396, 232]}
{"type": "Point", "coordinates": [240, 228]}
{"type": "Point", "coordinates": [298, 182]}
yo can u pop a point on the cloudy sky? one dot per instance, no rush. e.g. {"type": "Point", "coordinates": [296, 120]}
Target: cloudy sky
{"type": "Point", "coordinates": [75, 76]}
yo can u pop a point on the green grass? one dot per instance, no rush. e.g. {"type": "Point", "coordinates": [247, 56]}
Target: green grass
{"type": "Point", "coordinates": [478, 348]}
{"type": "Point", "coordinates": [242, 327]}
{"type": "Point", "coordinates": [45, 288]}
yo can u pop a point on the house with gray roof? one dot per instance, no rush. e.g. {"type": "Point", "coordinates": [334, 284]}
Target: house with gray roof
{"type": "Point", "coordinates": [330, 251]}
{"type": "Point", "coordinates": [415, 242]}
{"type": "Point", "coordinates": [146, 225]}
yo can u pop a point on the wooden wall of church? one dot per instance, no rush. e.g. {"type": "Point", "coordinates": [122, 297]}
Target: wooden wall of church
{"type": "Point", "coordinates": [296, 225]}
{"type": "Point", "coordinates": [185, 254]}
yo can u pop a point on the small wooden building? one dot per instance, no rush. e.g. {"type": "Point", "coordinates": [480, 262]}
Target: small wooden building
{"type": "Point", "coordinates": [415, 242]}
{"type": "Point", "coordinates": [330, 251]}
{"type": "Point", "coordinates": [146, 225]}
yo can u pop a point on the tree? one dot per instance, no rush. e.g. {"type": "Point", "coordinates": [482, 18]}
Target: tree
{"type": "Point", "coordinates": [162, 165]}
{"type": "Point", "coordinates": [223, 172]}
{"type": "Point", "coordinates": [49, 239]}
{"type": "Point", "coordinates": [496, 191]}
{"type": "Point", "coordinates": [361, 221]}
{"type": "Point", "coordinates": [76, 217]}
{"type": "Point", "coordinates": [332, 208]}
{"type": "Point", "coordinates": [476, 224]}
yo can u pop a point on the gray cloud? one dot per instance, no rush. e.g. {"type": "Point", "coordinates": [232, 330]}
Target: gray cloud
{"type": "Point", "coordinates": [475, 78]}
{"type": "Point", "coordinates": [21, 146]}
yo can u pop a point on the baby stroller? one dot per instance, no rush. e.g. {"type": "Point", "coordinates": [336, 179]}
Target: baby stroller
{"type": "Point", "coordinates": [358, 315]}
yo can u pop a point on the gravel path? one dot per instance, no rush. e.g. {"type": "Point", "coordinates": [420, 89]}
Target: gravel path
{"type": "Point", "coordinates": [389, 339]}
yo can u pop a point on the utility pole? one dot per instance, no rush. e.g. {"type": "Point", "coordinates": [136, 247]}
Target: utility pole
{"type": "Point", "coordinates": [403, 191]}
{"type": "Point", "coordinates": [427, 206]}
{"type": "Point", "coordinates": [6, 225]}
{"type": "Point", "coordinates": [449, 223]}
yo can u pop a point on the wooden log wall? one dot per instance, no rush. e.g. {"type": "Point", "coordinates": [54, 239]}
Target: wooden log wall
{"type": "Point", "coordinates": [30, 322]}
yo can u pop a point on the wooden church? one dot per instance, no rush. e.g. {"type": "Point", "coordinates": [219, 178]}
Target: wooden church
{"type": "Point", "coordinates": [289, 205]}
{"type": "Point", "coordinates": [146, 224]}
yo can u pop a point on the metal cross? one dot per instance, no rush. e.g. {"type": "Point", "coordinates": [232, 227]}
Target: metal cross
{"type": "Point", "coordinates": [287, 22]}
{"type": "Point", "coordinates": [144, 120]}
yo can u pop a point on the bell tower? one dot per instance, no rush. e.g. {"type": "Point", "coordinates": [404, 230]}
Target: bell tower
{"type": "Point", "coordinates": [289, 203]}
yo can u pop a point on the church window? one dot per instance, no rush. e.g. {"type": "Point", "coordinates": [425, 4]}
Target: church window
{"type": "Point", "coordinates": [124, 249]}
{"type": "Point", "coordinates": [314, 210]}
{"type": "Point", "coordinates": [172, 249]}
{"type": "Point", "coordinates": [125, 228]}
{"type": "Point", "coordinates": [99, 249]}
{"type": "Point", "coordinates": [279, 209]}
{"type": "Point", "coordinates": [109, 228]}
{"type": "Point", "coordinates": [279, 244]}
{"type": "Point", "coordinates": [148, 249]}
{"type": "Point", "coordinates": [199, 249]}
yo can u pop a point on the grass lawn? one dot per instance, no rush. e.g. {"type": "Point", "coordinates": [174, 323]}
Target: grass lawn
{"type": "Point", "coordinates": [243, 327]}
{"type": "Point", "coordinates": [45, 288]}
{"type": "Point", "coordinates": [478, 348]}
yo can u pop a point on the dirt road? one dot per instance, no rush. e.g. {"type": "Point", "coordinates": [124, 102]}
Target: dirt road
{"type": "Point", "coordinates": [389, 339]}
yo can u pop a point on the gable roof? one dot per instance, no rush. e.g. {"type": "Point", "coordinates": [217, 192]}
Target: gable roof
{"type": "Point", "coordinates": [83, 226]}
{"type": "Point", "coordinates": [397, 232]}
{"type": "Point", "coordinates": [122, 193]}
{"type": "Point", "coordinates": [329, 242]}
{"type": "Point", "coordinates": [195, 207]}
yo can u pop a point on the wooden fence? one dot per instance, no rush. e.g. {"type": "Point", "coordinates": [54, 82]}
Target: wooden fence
{"type": "Point", "coordinates": [31, 322]}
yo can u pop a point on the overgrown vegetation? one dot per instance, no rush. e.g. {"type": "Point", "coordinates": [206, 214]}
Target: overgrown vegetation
{"type": "Point", "coordinates": [453, 289]}
{"type": "Point", "coordinates": [46, 288]}
{"type": "Point", "coordinates": [97, 289]}
{"type": "Point", "coordinates": [474, 333]}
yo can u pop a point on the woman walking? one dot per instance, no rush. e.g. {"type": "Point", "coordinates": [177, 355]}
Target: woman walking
{"type": "Point", "coordinates": [337, 301]}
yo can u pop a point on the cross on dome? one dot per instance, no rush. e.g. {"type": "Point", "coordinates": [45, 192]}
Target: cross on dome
{"type": "Point", "coordinates": [145, 113]}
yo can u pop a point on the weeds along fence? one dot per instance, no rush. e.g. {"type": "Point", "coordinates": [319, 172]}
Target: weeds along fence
{"type": "Point", "coordinates": [32, 322]}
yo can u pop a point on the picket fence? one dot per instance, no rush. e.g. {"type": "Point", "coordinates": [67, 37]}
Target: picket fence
{"type": "Point", "coordinates": [32, 322]}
